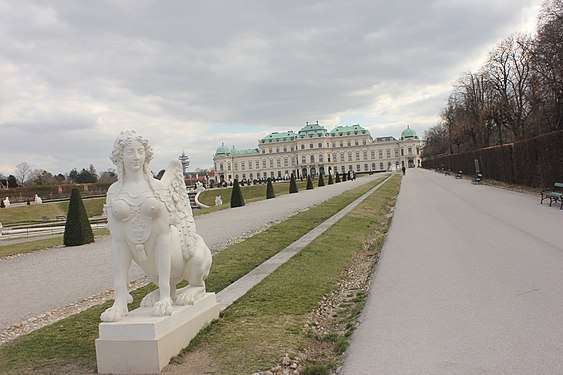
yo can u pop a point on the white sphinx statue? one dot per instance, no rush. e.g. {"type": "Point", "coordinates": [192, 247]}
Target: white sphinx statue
{"type": "Point", "coordinates": [38, 200]}
{"type": "Point", "coordinates": [151, 222]}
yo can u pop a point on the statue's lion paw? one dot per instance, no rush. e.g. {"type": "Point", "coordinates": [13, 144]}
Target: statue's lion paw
{"type": "Point", "coordinates": [129, 298]}
{"type": "Point", "coordinates": [190, 295]}
{"type": "Point", "coordinates": [151, 298]}
{"type": "Point", "coordinates": [162, 307]}
{"type": "Point", "coordinates": [113, 314]}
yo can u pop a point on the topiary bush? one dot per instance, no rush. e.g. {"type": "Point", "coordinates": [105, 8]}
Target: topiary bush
{"type": "Point", "coordinates": [330, 180]}
{"type": "Point", "coordinates": [270, 190]}
{"type": "Point", "coordinates": [237, 200]}
{"type": "Point", "coordinates": [309, 183]}
{"type": "Point", "coordinates": [337, 177]}
{"type": "Point", "coordinates": [343, 176]}
{"type": "Point", "coordinates": [292, 185]}
{"type": "Point", "coordinates": [321, 180]}
{"type": "Point", "coordinates": [77, 227]}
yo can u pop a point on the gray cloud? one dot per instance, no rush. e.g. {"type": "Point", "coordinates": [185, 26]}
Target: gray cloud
{"type": "Point", "coordinates": [76, 73]}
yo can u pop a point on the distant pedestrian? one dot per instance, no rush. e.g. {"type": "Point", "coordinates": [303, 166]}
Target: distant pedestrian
{"type": "Point", "coordinates": [404, 170]}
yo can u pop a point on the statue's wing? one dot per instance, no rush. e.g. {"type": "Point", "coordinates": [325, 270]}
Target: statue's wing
{"type": "Point", "coordinates": [177, 202]}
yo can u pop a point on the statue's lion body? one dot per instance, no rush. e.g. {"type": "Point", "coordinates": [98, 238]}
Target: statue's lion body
{"type": "Point", "coordinates": [155, 228]}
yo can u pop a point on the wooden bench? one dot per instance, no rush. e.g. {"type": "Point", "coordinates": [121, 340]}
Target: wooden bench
{"type": "Point", "coordinates": [555, 195]}
{"type": "Point", "coordinates": [477, 178]}
{"type": "Point", "coordinates": [458, 174]}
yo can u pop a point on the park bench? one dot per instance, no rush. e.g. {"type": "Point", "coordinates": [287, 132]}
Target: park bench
{"type": "Point", "coordinates": [555, 195]}
{"type": "Point", "coordinates": [477, 178]}
{"type": "Point", "coordinates": [458, 174]}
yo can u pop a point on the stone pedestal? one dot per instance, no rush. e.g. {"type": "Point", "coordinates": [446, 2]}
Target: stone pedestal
{"type": "Point", "coordinates": [143, 344]}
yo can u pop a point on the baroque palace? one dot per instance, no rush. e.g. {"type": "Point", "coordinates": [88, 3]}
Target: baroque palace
{"type": "Point", "coordinates": [314, 150]}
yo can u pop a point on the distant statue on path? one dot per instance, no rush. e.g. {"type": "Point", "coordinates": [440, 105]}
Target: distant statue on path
{"type": "Point", "coordinates": [38, 200]}
{"type": "Point", "coordinates": [218, 200]}
{"type": "Point", "coordinates": [7, 202]}
{"type": "Point", "coordinates": [151, 222]}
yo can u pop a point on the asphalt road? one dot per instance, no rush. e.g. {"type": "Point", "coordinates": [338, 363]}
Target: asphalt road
{"type": "Point", "coordinates": [36, 283]}
{"type": "Point", "coordinates": [470, 281]}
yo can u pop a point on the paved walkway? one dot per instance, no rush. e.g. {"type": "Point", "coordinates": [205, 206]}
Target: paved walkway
{"type": "Point", "coordinates": [470, 281]}
{"type": "Point", "coordinates": [36, 283]}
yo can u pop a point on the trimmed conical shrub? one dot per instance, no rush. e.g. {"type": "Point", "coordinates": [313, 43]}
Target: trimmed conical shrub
{"type": "Point", "coordinates": [77, 228]}
{"type": "Point", "coordinates": [270, 190]}
{"type": "Point", "coordinates": [309, 183]}
{"type": "Point", "coordinates": [343, 176]}
{"type": "Point", "coordinates": [321, 180]}
{"type": "Point", "coordinates": [292, 185]}
{"type": "Point", "coordinates": [337, 177]}
{"type": "Point", "coordinates": [237, 200]}
{"type": "Point", "coordinates": [330, 181]}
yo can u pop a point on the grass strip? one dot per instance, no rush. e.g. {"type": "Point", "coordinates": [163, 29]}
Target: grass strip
{"type": "Point", "coordinates": [70, 342]}
{"type": "Point", "coordinates": [268, 322]}
{"type": "Point", "coordinates": [42, 244]}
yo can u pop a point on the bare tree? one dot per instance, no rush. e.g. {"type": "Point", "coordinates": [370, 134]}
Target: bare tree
{"type": "Point", "coordinates": [22, 171]}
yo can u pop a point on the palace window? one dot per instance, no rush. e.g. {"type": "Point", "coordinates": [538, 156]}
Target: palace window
{"type": "Point", "coordinates": [271, 163]}
{"type": "Point", "coordinates": [321, 158]}
{"type": "Point", "coordinates": [285, 162]}
{"type": "Point", "coordinates": [380, 153]}
{"type": "Point", "coordinates": [242, 165]}
{"type": "Point", "coordinates": [365, 154]}
{"type": "Point", "coordinates": [357, 155]}
{"type": "Point", "coordinates": [388, 153]}
{"type": "Point", "coordinates": [372, 154]}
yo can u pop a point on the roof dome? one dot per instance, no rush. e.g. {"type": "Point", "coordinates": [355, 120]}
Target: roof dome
{"type": "Point", "coordinates": [408, 133]}
{"type": "Point", "coordinates": [222, 150]}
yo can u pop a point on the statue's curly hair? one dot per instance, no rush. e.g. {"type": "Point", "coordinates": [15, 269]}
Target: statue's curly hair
{"type": "Point", "coordinates": [119, 145]}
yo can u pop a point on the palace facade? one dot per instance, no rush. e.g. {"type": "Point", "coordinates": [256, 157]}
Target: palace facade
{"type": "Point", "coordinates": [313, 150]}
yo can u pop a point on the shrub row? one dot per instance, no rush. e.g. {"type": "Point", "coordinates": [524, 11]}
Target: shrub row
{"type": "Point", "coordinates": [535, 162]}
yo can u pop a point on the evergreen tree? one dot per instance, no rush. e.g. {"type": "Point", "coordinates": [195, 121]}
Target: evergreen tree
{"type": "Point", "coordinates": [330, 181]}
{"type": "Point", "coordinates": [343, 176]}
{"type": "Point", "coordinates": [77, 228]}
{"type": "Point", "coordinates": [321, 180]}
{"type": "Point", "coordinates": [309, 183]}
{"type": "Point", "coordinates": [2, 205]}
{"type": "Point", "coordinates": [270, 190]}
{"type": "Point", "coordinates": [237, 200]}
{"type": "Point", "coordinates": [292, 185]}
{"type": "Point", "coordinates": [337, 177]}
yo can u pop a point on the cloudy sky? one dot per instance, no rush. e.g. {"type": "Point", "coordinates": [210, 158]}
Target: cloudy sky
{"type": "Point", "coordinates": [189, 75]}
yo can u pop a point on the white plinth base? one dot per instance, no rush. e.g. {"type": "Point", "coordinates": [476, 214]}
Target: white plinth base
{"type": "Point", "coordinates": [143, 344]}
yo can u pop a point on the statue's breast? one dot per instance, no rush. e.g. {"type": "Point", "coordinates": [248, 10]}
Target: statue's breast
{"type": "Point", "coordinates": [137, 212]}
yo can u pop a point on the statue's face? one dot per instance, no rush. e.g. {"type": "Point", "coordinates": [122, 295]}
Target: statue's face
{"type": "Point", "coordinates": [133, 156]}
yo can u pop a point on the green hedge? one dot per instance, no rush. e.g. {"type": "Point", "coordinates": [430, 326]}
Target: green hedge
{"type": "Point", "coordinates": [534, 162]}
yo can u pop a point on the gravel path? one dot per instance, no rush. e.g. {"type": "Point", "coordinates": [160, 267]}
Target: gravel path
{"type": "Point", "coordinates": [469, 282]}
{"type": "Point", "coordinates": [48, 281]}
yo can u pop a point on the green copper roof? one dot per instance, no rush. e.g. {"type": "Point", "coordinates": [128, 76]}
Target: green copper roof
{"type": "Point", "coordinates": [248, 151]}
{"type": "Point", "coordinates": [222, 150]}
{"type": "Point", "coordinates": [312, 130]}
{"type": "Point", "coordinates": [408, 133]}
{"type": "Point", "coordinates": [279, 137]}
{"type": "Point", "coordinates": [348, 130]}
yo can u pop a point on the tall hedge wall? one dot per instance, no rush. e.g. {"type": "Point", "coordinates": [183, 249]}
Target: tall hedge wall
{"type": "Point", "coordinates": [535, 162]}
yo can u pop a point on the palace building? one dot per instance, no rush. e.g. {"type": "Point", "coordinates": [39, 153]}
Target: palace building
{"type": "Point", "coordinates": [314, 150]}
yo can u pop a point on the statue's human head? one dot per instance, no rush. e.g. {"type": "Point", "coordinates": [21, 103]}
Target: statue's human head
{"type": "Point", "coordinates": [122, 141]}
